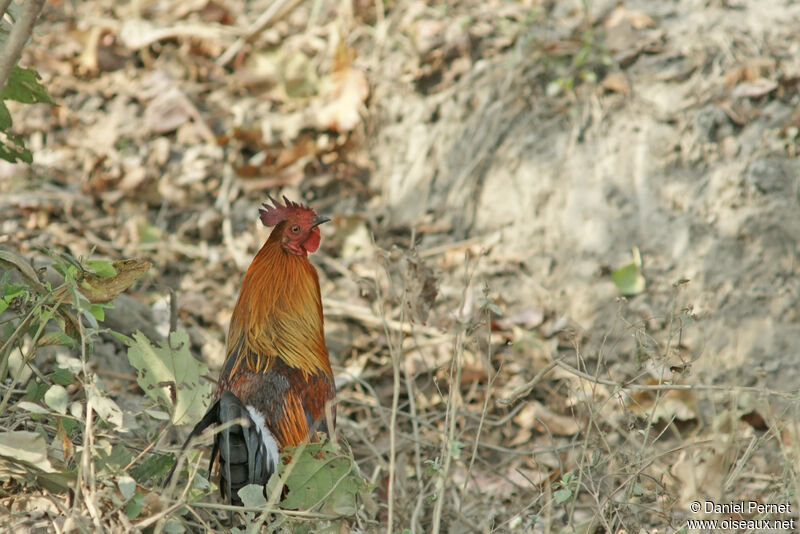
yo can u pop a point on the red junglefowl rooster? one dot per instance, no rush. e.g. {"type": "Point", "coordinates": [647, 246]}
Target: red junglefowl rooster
{"type": "Point", "coordinates": [277, 377]}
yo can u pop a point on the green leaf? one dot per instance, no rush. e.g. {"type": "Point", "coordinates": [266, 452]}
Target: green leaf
{"type": "Point", "coordinates": [98, 311]}
{"type": "Point", "coordinates": [168, 373]}
{"type": "Point", "coordinates": [35, 390]}
{"type": "Point", "coordinates": [629, 279]}
{"type": "Point", "coordinates": [323, 473]}
{"type": "Point", "coordinates": [456, 447]}
{"type": "Point", "coordinates": [153, 466]}
{"type": "Point", "coordinates": [32, 407]}
{"type": "Point", "coordinates": [148, 233]}
{"type": "Point", "coordinates": [134, 506]}
{"type": "Point", "coordinates": [58, 482]}
{"type": "Point", "coordinates": [102, 268]}
{"type": "Point", "coordinates": [56, 337]}
{"type": "Point", "coordinates": [127, 487]}
{"type": "Point", "coordinates": [158, 415]}
{"type": "Point", "coordinates": [62, 377]}
{"type": "Point", "coordinates": [12, 148]}
{"type": "Point", "coordinates": [71, 424]}
{"type": "Point", "coordinates": [10, 292]}
{"type": "Point", "coordinates": [23, 86]}
{"type": "Point", "coordinates": [252, 495]}
{"type": "Point", "coordinates": [113, 461]}
{"type": "Point", "coordinates": [561, 496]}
{"type": "Point", "coordinates": [174, 526]}
{"type": "Point", "coordinates": [5, 117]}
{"type": "Point", "coordinates": [56, 399]}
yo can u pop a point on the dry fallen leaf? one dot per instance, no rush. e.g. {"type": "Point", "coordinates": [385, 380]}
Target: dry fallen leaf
{"type": "Point", "coordinates": [428, 34]}
{"type": "Point", "coordinates": [616, 82]}
{"type": "Point", "coordinates": [749, 71]}
{"type": "Point", "coordinates": [344, 95]}
{"type": "Point", "coordinates": [166, 112]}
{"type": "Point", "coordinates": [705, 471]}
{"type": "Point", "coordinates": [671, 404]}
{"type": "Point", "coordinates": [137, 33]}
{"type": "Point", "coordinates": [503, 484]}
{"type": "Point", "coordinates": [754, 89]}
{"type": "Point", "coordinates": [527, 319]}
{"type": "Point", "coordinates": [636, 18]}
{"type": "Point", "coordinates": [536, 415]}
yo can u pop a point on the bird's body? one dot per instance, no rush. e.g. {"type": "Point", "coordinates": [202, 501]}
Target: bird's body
{"type": "Point", "coordinates": [277, 376]}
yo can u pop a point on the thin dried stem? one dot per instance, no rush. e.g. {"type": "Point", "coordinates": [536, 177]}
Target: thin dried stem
{"type": "Point", "coordinates": [276, 10]}
{"type": "Point", "coordinates": [395, 354]}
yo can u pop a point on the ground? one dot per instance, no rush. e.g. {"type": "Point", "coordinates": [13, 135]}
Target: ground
{"type": "Point", "coordinates": [488, 167]}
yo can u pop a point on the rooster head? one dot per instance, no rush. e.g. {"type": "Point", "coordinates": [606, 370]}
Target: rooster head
{"type": "Point", "coordinates": [298, 223]}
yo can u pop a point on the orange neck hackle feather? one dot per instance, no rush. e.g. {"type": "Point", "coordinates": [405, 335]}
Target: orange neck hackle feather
{"type": "Point", "coordinates": [279, 313]}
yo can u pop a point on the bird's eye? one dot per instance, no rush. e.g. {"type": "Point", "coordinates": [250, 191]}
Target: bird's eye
{"type": "Point", "coordinates": [295, 229]}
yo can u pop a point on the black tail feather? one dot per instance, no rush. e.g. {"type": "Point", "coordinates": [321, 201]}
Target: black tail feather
{"type": "Point", "coordinates": [210, 418]}
{"type": "Point", "coordinates": [243, 457]}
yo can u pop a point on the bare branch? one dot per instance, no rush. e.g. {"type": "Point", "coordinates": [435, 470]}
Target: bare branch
{"type": "Point", "coordinates": [20, 32]}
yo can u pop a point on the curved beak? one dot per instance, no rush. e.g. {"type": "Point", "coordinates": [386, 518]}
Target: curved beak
{"type": "Point", "coordinates": [319, 220]}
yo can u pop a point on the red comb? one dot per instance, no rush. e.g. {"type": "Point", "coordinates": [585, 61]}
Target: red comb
{"type": "Point", "coordinates": [272, 215]}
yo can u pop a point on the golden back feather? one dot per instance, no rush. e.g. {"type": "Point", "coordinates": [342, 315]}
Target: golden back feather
{"type": "Point", "coordinates": [278, 314]}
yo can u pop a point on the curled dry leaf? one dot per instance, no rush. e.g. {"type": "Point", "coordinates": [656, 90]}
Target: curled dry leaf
{"type": "Point", "coordinates": [752, 412]}
{"type": "Point", "coordinates": [755, 420]}
{"type": "Point", "coordinates": [537, 416]}
{"type": "Point", "coordinates": [107, 409]}
{"type": "Point", "coordinates": [676, 404]}
{"type": "Point", "coordinates": [137, 33]}
{"type": "Point", "coordinates": [99, 289]}
{"type": "Point", "coordinates": [703, 472]}
{"type": "Point", "coordinates": [100, 52]}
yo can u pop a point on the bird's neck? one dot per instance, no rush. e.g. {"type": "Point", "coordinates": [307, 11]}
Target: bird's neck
{"type": "Point", "coordinates": [278, 314]}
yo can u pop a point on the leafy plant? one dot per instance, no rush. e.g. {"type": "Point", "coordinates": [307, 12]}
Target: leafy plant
{"type": "Point", "coordinates": [22, 85]}
{"type": "Point", "coordinates": [317, 477]}
{"type": "Point", "coordinates": [566, 488]}
{"type": "Point", "coordinates": [70, 401]}
{"type": "Point", "coordinates": [36, 315]}
{"type": "Point", "coordinates": [169, 375]}
{"type": "Point", "coordinates": [629, 278]}
{"type": "Point", "coordinates": [324, 475]}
